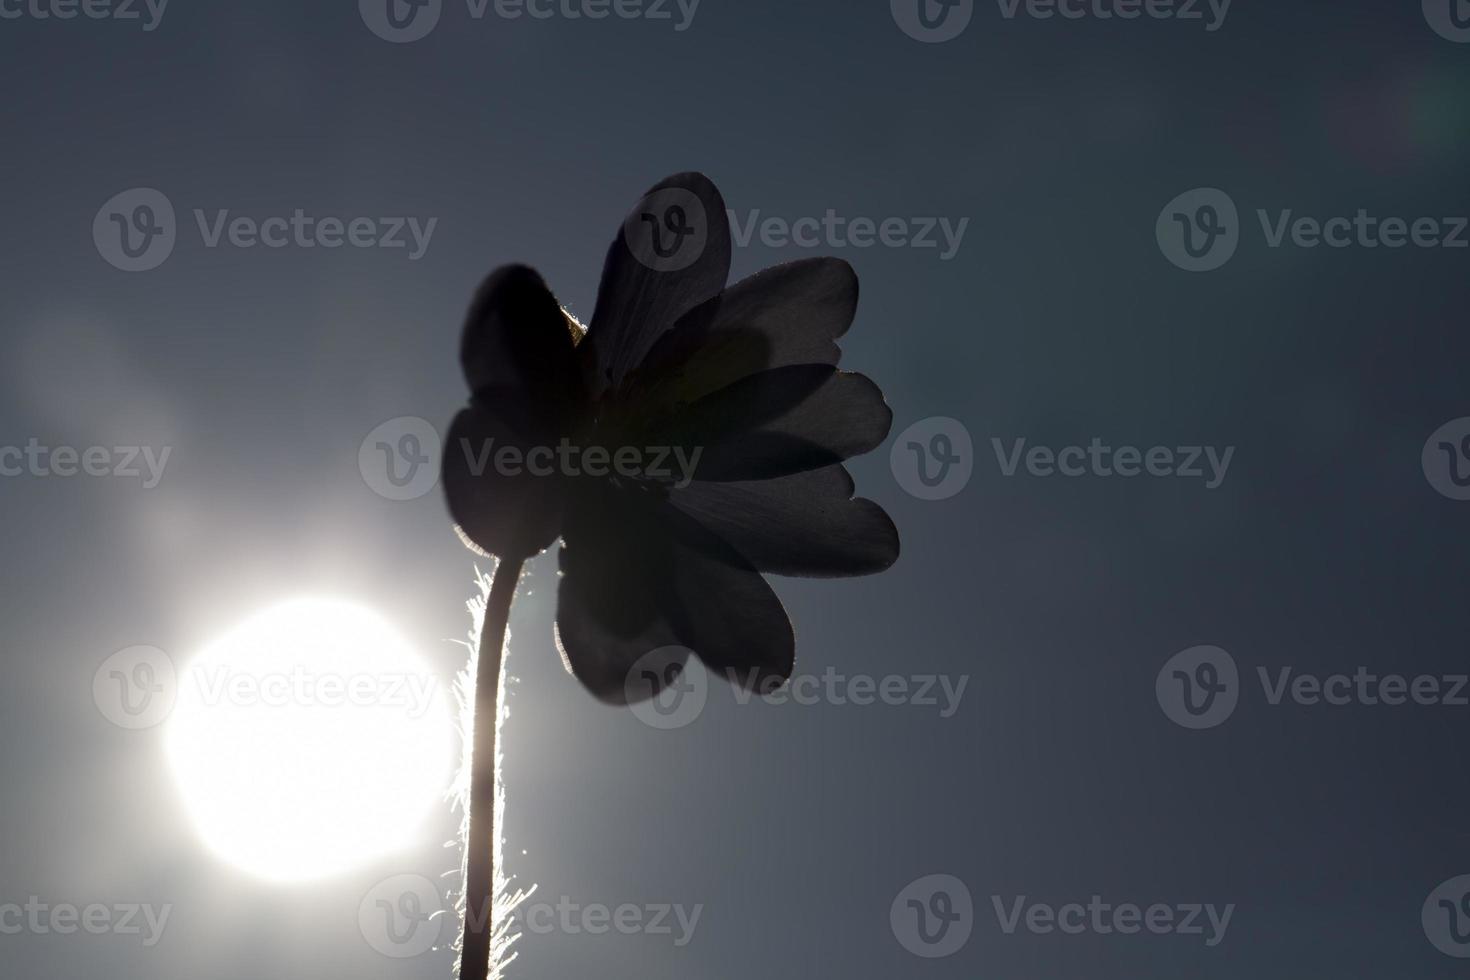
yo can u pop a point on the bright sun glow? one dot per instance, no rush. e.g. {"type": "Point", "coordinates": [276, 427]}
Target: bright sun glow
{"type": "Point", "coordinates": [308, 740]}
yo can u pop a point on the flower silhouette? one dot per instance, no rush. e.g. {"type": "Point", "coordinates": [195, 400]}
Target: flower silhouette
{"type": "Point", "coordinates": [569, 434]}
{"type": "Point", "coordinates": [738, 384]}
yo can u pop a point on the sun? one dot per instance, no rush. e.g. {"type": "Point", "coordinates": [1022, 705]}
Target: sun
{"type": "Point", "coordinates": [308, 740]}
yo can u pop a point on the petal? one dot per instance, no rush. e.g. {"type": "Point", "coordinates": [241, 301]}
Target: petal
{"type": "Point", "coordinates": [614, 594]}
{"type": "Point", "coordinates": [639, 576]}
{"type": "Point", "coordinates": [728, 614]}
{"type": "Point", "coordinates": [790, 314]}
{"type": "Point", "coordinates": [779, 422]}
{"type": "Point", "coordinates": [508, 511]}
{"type": "Point", "coordinates": [671, 254]}
{"type": "Point", "coordinates": [804, 524]}
{"type": "Point", "coordinates": [516, 336]}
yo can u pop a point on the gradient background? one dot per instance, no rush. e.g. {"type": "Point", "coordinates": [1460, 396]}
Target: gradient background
{"type": "Point", "coordinates": [794, 826]}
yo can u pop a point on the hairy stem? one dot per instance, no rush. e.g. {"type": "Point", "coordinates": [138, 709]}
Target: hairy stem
{"type": "Point", "coordinates": [480, 868]}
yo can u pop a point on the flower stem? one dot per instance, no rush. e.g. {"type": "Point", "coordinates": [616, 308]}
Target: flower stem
{"type": "Point", "coordinates": [480, 870]}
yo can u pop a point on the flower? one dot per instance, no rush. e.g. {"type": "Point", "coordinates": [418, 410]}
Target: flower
{"type": "Point", "coordinates": [689, 440]}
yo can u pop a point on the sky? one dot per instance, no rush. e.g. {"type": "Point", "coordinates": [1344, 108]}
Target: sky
{"type": "Point", "coordinates": [1200, 422]}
